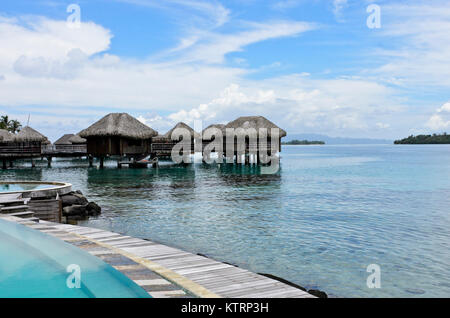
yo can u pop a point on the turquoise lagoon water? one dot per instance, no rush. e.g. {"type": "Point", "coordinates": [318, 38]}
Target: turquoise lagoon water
{"type": "Point", "coordinates": [329, 213]}
{"type": "Point", "coordinates": [33, 264]}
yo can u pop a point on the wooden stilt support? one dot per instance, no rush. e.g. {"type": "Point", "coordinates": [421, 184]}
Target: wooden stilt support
{"type": "Point", "coordinates": [49, 162]}
{"type": "Point", "coordinates": [33, 163]}
{"type": "Point", "coordinates": [101, 162]}
{"type": "Point", "coordinates": [91, 161]}
{"type": "Point", "coordinates": [11, 164]}
{"type": "Point", "coordinates": [4, 164]}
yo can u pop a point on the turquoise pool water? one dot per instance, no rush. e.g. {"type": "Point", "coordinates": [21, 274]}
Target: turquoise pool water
{"type": "Point", "coordinates": [33, 264]}
{"type": "Point", "coordinates": [13, 187]}
{"type": "Point", "coordinates": [329, 213]}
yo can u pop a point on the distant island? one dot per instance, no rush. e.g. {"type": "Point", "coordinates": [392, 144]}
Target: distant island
{"type": "Point", "coordinates": [338, 140]}
{"type": "Point", "coordinates": [303, 142]}
{"type": "Point", "coordinates": [424, 139]}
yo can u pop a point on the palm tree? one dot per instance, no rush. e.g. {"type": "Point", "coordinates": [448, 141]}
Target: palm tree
{"type": "Point", "coordinates": [10, 125]}
{"type": "Point", "coordinates": [4, 122]}
{"type": "Point", "coordinates": [14, 126]}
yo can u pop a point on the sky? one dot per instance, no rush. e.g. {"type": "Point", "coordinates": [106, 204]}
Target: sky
{"type": "Point", "coordinates": [317, 66]}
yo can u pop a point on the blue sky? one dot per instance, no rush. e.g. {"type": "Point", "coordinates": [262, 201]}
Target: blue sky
{"type": "Point", "coordinates": [309, 66]}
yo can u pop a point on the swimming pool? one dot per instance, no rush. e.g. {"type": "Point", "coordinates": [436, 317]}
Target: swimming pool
{"type": "Point", "coordinates": [34, 264]}
{"type": "Point", "coordinates": [17, 187]}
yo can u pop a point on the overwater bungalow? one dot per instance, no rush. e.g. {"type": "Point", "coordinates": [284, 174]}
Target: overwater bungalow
{"type": "Point", "coordinates": [162, 145]}
{"type": "Point", "coordinates": [118, 134]}
{"type": "Point", "coordinates": [28, 143]}
{"type": "Point", "coordinates": [252, 135]}
{"type": "Point", "coordinates": [30, 138]}
{"type": "Point", "coordinates": [209, 133]}
{"type": "Point", "coordinates": [70, 144]}
{"type": "Point", "coordinates": [77, 140]}
{"type": "Point", "coordinates": [214, 132]}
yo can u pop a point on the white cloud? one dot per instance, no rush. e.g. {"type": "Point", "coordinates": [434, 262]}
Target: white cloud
{"type": "Point", "coordinates": [441, 119]}
{"type": "Point", "coordinates": [38, 70]}
{"type": "Point", "coordinates": [213, 47]}
{"type": "Point", "coordinates": [42, 67]}
{"type": "Point", "coordinates": [300, 104]}
{"type": "Point", "coordinates": [46, 63]}
{"type": "Point", "coordinates": [420, 35]}
{"type": "Point", "coordinates": [436, 122]}
{"type": "Point", "coordinates": [444, 108]}
{"type": "Point", "coordinates": [36, 37]}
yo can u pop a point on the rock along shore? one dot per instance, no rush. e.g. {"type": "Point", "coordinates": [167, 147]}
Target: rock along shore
{"type": "Point", "coordinates": [77, 207]}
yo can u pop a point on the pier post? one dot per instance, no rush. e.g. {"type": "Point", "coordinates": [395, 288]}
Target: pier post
{"type": "Point", "coordinates": [33, 163]}
{"type": "Point", "coordinates": [119, 165]}
{"type": "Point", "coordinates": [49, 162]}
{"type": "Point", "coordinates": [4, 164]}
{"type": "Point", "coordinates": [11, 164]}
{"type": "Point", "coordinates": [101, 162]}
{"type": "Point", "coordinates": [91, 161]}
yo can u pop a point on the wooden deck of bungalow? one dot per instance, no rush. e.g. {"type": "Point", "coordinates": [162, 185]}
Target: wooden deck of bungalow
{"type": "Point", "coordinates": [64, 150]}
{"type": "Point", "coordinates": [193, 275]}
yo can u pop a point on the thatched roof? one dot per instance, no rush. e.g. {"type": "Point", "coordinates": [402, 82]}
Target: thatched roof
{"type": "Point", "coordinates": [255, 122]}
{"type": "Point", "coordinates": [180, 125]}
{"type": "Point", "coordinates": [212, 129]}
{"type": "Point", "coordinates": [75, 139]}
{"type": "Point", "coordinates": [159, 138]}
{"type": "Point", "coordinates": [218, 126]}
{"type": "Point", "coordinates": [64, 140]}
{"type": "Point", "coordinates": [6, 136]}
{"type": "Point", "coordinates": [29, 134]}
{"type": "Point", "coordinates": [119, 125]}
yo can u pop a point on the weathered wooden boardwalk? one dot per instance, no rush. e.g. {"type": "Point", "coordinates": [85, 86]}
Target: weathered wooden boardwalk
{"type": "Point", "coordinates": [197, 275]}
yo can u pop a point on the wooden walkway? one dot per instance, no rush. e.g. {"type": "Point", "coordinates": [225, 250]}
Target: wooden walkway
{"type": "Point", "coordinates": [197, 275]}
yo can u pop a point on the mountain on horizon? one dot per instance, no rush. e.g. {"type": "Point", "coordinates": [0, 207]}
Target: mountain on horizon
{"type": "Point", "coordinates": [336, 140]}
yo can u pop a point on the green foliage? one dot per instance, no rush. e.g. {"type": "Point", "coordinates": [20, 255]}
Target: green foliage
{"type": "Point", "coordinates": [10, 125]}
{"type": "Point", "coordinates": [425, 139]}
{"type": "Point", "coordinates": [303, 142]}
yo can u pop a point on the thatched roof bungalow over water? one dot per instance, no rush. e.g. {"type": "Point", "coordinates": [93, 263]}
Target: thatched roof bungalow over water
{"type": "Point", "coordinates": [64, 140]}
{"type": "Point", "coordinates": [162, 144]}
{"type": "Point", "coordinates": [70, 144]}
{"type": "Point", "coordinates": [118, 134]}
{"type": "Point", "coordinates": [27, 143]}
{"type": "Point", "coordinates": [247, 126]}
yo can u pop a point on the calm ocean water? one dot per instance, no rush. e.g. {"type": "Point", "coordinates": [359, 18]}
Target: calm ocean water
{"type": "Point", "coordinates": [329, 213]}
